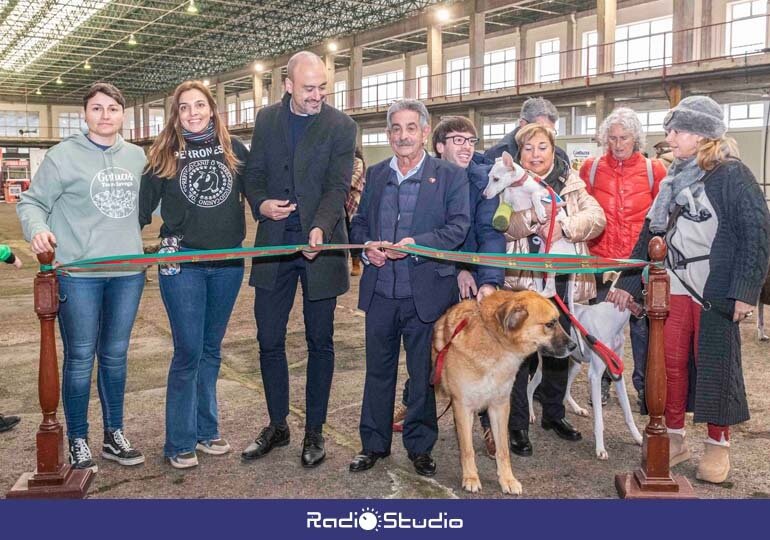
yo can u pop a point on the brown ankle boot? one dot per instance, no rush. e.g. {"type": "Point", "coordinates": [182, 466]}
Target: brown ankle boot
{"type": "Point", "coordinates": [677, 449]}
{"type": "Point", "coordinates": [355, 266]}
{"type": "Point", "coordinates": [715, 464]}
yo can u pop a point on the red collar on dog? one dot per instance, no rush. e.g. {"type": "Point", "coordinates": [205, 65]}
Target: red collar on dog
{"type": "Point", "coordinates": [521, 180]}
{"type": "Point", "coordinates": [442, 354]}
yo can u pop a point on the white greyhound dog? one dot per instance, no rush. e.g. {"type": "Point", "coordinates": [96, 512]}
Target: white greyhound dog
{"type": "Point", "coordinates": [603, 320]}
{"type": "Point", "coordinates": [522, 192]}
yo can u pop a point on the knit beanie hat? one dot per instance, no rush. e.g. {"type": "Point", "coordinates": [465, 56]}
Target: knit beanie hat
{"type": "Point", "coordinates": [700, 115]}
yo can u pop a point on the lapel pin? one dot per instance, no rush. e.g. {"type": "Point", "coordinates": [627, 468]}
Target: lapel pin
{"type": "Point", "coordinates": [431, 180]}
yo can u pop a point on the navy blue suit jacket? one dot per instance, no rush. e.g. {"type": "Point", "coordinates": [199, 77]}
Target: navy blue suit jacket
{"type": "Point", "coordinates": [441, 221]}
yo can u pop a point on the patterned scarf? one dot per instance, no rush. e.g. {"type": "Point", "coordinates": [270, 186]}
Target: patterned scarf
{"type": "Point", "coordinates": [202, 137]}
{"type": "Point", "coordinates": [682, 186]}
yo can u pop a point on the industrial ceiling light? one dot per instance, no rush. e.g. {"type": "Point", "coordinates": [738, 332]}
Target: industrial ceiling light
{"type": "Point", "coordinates": [192, 8]}
{"type": "Point", "coordinates": [258, 67]}
{"type": "Point", "coordinates": [131, 40]}
{"type": "Point", "coordinates": [442, 14]}
{"type": "Point", "coordinates": [206, 82]}
{"type": "Point", "coordinates": [332, 46]}
{"type": "Point", "coordinates": [59, 81]}
{"type": "Point", "coordinates": [87, 65]}
{"type": "Point", "coordinates": [38, 92]}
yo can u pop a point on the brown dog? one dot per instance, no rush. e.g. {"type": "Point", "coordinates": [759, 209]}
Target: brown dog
{"type": "Point", "coordinates": [481, 363]}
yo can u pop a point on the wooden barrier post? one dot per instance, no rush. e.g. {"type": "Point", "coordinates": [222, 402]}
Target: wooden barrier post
{"type": "Point", "coordinates": [53, 478]}
{"type": "Point", "coordinates": [654, 480]}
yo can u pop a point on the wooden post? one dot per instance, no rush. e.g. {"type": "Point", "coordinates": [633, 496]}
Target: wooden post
{"type": "Point", "coordinates": [654, 480]}
{"type": "Point", "coordinates": [53, 478]}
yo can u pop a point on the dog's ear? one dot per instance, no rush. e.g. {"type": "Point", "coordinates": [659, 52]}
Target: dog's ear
{"type": "Point", "coordinates": [511, 316]}
{"type": "Point", "coordinates": [507, 160]}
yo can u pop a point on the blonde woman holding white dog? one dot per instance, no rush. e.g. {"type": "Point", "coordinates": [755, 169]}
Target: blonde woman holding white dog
{"type": "Point", "coordinates": [717, 228]}
{"type": "Point", "coordinates": [583, 220]}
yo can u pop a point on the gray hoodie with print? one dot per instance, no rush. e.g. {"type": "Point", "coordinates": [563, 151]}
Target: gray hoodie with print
{"type": "Point", "coordinates": [87, 197]}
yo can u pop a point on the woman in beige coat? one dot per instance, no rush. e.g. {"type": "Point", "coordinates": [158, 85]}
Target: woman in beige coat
{"type": "Point", "coordinates": [583, 221]}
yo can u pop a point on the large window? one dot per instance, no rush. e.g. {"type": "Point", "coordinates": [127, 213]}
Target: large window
{"type": "Point", "coordinates": [494, 131]}
{"type": "Point", "coordinates": [458, 76]}
{"type": "Point", "coordinates": [374, 138]}
{"type": "Point", "coordinates": [500, 69]}
{"type": "Point", "coordinates": [643, 45]}
{"type": "Point", "coordinates": [421, 73]}
{"type": "Point", "coordinates": [547, 61]}
{"type": "Point", "coordinates": [70, 123]}
{"type": "Point", "coordinates": [744, 115]}
{"type": "Point", "coordinates": [588, 53]}
{"type": "Point", "coordinates": [11, 122]}
{"type": "Point", "coordinates": [156, 121]}
{"type": "Point", "coordinates": [341, 95]}
{"type": "Point", "coordinates": [651, 120]}
{"type": "Point", "coordinates": [747, 23]}
{"type": "Point", "coordinates": [587, 124]}
{"type": "Point", "coordinates": [231, 108]}
{"type": "Point", "coordinates": [247, 111]}
{"type": "Point", "coordinates": [382, 89]}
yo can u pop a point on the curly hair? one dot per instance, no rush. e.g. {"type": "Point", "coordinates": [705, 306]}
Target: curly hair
{"type": "Point", "coordinates": [629, 121]}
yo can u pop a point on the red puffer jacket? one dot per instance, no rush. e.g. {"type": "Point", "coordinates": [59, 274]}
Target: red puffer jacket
{"type": "Point", "coordinates": [623, 191]}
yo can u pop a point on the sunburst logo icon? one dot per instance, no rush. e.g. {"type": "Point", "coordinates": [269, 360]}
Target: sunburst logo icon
{"type": "Point", "coordinates": [369, 520]}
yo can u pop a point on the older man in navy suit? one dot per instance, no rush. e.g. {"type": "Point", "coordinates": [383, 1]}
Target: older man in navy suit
{"type": "Point", "coordinates": [411, 198]}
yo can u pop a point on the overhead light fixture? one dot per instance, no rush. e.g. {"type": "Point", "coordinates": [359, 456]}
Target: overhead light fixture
{"type": "Point", "coordinates": [588, 103]}
{"type": "Point", "coordinates": [206, 82]}
{"type": "Point", "coordinates": [191, 7]}
{"type": "Point", "coordinates": [442, 15]}
{"type": "Point", "coordinates": [38, 92]}
{"type": "Point", "coordinates": [258, 67]}
{"type": "Point", "coordinates": [332, 46]}
{"type": "Point", "coordinates": [59, 81]}
{"type": "Point", "coordinates": [131, 40]}
{"type": "Point", "coordinates": [87, 65]}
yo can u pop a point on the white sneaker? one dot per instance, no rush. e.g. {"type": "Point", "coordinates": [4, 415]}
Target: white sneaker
{"type": "Point", "coordinates": [184, 461]}
{"type": "Point", "coordinates": [215, 447]}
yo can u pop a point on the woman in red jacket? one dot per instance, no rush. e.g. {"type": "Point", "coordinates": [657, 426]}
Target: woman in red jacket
{"type": "Point", "coordinates": [625, 183]}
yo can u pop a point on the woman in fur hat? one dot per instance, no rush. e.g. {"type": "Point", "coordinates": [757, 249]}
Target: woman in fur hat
{"type": "Point", "coordinates": [717, 229]}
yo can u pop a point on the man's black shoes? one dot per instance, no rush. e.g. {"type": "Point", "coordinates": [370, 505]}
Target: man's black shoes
{"type": "Point", "coordinates": [313, 452]}
{"type": "Point", "coordinates": [423, 464]}
{"type": "Point", "coordinates": [519, 442]}
{"type": "Point", "coordinates": [269, 438]}
{"type": "Point", "coordinates": [8, 422]}
{"type": "Point", "coordinates": [563, 429]}
{"type": "Point", "coordinates": [366, 460]}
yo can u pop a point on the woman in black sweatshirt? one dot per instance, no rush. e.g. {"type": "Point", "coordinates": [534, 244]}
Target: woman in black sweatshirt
{"type": "Point", "coordinates": [194, 171]}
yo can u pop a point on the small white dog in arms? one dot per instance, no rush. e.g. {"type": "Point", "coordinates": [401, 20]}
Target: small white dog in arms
{"type": "Point", "coordinates": [522, 192]}
{"type": "Point", "coordinates": [607, 324]}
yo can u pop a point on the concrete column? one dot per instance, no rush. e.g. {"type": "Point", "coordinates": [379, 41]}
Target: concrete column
{"type": "Point", "coordinates": [603, 107]}
{"type": "Point", "coordinates": [276, 86]}
{"type": "Point", "coordinates": [523, 70]}
{"type": "Point", "coordinates": [767, 27]}
{"type": "Point", "coordinates": [356, 77]}
{"type": "Point", "coordinates": [410, 74]}
{"type": "Point", "coordinates": [145, 120]}
{"type": "Point", "coordinates": [606, 19]}
{"type": "Point", "coordinates": [330, 71]}
{"type": "Point", "coordinates": [436, 74]}
{"type": "Point", "coordinates": [50, 132]}
{"type": "Point", "coordinates": [674, 93]}
{"type": "Point", "coordinates": [708, 32]}
{"type": "Point", "coordinates": [475, 118]}
{"type": "Point", "coordinates": [137, 134]}
{"type": "Point", "coordinates": [476, 41]}
{"type": "Point", "coordinates": [684, 19]}
{"type": "Point", "coordinates": [238, 119]}
{"type": "Point", "coordinates": [570, 57]}
{"type": "Point", "coordinates": [222, 102]}
{"type": "Point", "coordinates": [257, 90]}
{"type": "Point", "coordinates": [569, 123]}
{"type": "Point", "coordinates": [167, 102]}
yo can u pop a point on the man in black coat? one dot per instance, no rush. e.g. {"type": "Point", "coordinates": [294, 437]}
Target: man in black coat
{"type": "Point", "coordinates": [411, 198]}
{"type": "Point", "coordinates": [297, 178]}
{"type": "Point", "coordinates": [535, 110]}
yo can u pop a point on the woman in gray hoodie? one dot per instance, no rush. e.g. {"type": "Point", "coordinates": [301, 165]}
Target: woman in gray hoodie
{"type": "Point", "coordinates": [83, 202]}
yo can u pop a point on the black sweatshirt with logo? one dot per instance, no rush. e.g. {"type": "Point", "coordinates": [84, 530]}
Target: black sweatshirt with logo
{"type": "Point", "coordinates": [203, 202]}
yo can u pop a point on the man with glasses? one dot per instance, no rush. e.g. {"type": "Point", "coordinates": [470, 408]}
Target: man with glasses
{"type": "Point", "coordinates": [535, 110]}
{"type": "Point", "coordinates": [454, 140]}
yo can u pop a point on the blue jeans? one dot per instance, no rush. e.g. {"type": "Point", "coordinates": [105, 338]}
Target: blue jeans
{"type": "Point", "coordinates": [96, 316]}
{"type": "Point", "coordinates": [199, 301]}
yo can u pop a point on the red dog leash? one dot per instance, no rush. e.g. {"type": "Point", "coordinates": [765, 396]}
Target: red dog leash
{"type": "Point", "coordinates": [613, 362]}
{"type": "Point", "coordinates": [436, 379]}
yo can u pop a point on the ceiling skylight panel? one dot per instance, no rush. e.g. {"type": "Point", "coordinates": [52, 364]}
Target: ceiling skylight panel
{"type": "Point", "coordinates": [28, 32]}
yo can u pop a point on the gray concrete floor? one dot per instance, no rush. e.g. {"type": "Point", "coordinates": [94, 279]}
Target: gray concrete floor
{"type": "Point", "coordinates": [557, 470]}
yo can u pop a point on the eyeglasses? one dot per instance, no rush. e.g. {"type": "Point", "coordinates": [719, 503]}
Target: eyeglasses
{"type": "Point", "coordinates": [459, 140]}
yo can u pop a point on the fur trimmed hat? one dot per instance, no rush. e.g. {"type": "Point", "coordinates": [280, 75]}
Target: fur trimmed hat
{"type": "Point", "coordinates": [700, 115]}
